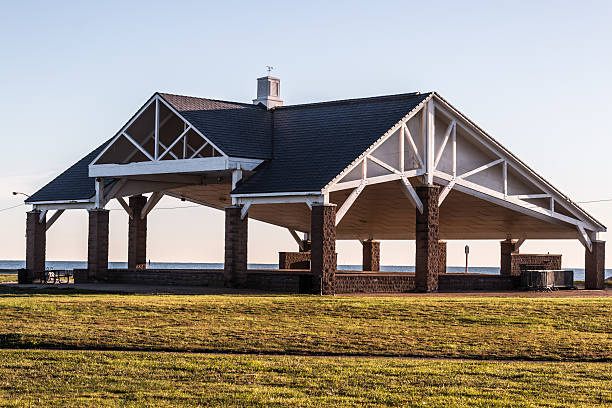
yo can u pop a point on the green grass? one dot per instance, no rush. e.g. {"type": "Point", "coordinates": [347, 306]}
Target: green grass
{"type": "Point", "coordinates": [480, 328]}
{"type": "Point", "coordinates": [5, 277]}
{"type": "Point", "coordinates": [110, 379]}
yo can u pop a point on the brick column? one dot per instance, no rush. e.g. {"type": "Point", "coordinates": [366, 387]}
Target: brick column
{"type": "Point", "coordinates": [97, 247]}
{"type": "Point", "coordinates": [426, 265]}
{"type": "Point", "coordinates": [594, 266]}
{"type": "Point", "coordinates": [508, 247]}
{"type": "Point", "coordinates": [441, 256]}
{"type": "Point", "coordinates": [137, 233]}
{"type": "Point", "coordinates": [371, 255]}
{"type": "Point", "coordinates": [236, 237]}
{"type": "Point", "coordinates": [36, 242]}
{"type": "Point", "coordinates": [323, 253]}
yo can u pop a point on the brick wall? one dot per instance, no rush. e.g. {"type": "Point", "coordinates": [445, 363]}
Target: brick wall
{"type": "Point", "coordinates": [36, 241]}
{"type": "Point", "coordinates": [546, 261]}
{"type": "Point", "coordinates": [323, 251]}
{"type": "Point", "coordinates": [172, 277]}
{"type": "Point", "coordinates": [371, 256]}
{"type": "Point", "coordinates": [450, 282]}
{"type": "Point", "coordinates": [374, 282]}
{"type": "Point", "coordinates": [294, 260]}
{"type": "Point", "coordinates": [594, 266]}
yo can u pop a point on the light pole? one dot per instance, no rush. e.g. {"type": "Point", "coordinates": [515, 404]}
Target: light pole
{"type": "Point", "coordinates": [18, 193]}
{"type": "Point", "coordinates": [467, 252]}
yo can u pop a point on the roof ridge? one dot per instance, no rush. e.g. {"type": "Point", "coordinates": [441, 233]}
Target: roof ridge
{"type": "Point", "coordinates": [246, 104]}
{"type": "Point", "coordinates": [356, 100]}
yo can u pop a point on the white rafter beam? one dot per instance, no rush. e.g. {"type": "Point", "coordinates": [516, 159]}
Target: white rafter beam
{"type": "Point", "coordinates": [384, 165]}
{"type": "Point", "coordinates": [413, 146]}
{"type": "Point", "coordinates": [583, 237]}
{"type": "Point", "coordinates": [42, 216]}
{"type": "Point", "coordinates": [447, 189]}
{"type": "Point", "coordinates": [150, 204]}
{"type": "Point", "coordinates": [349, 202]}
{"type": "Point", "coordinates": [447, 135]}
{"type": "Point", "coordinates": [174, 143]}
{"type": "Point", "coordinates": [156, 128]}
{"type": "Point", "coordinates": [138, 146]}
{"type": "Point", "coordinates": [530, 196]}
{"type": "Point", "coordinates": [481, 168]}
{"type": "Point", "coordinates": [244, 211]}
{"type": "Point", "coordinates": [411, 193]}
{"type": "Point", "coordinates": [296, 237]}
{"type": "Point", "coordinates": [53, 218]}
{"type": "Point", "coordinates": [125, 206]}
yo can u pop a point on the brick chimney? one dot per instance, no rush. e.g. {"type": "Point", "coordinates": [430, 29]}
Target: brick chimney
{"type": "Point", "coordinates": [268, 92]}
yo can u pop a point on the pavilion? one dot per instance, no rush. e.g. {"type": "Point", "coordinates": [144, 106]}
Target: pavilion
{"type": "Point", "coordinates": [398, 167]}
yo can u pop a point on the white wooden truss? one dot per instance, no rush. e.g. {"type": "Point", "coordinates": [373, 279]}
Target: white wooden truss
{"type": "Point", "coordinates": [442, 146]}
{"type": "Point", "coordinates": [159, 140]}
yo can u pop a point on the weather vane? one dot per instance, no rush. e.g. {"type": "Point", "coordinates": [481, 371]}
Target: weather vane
{"type": "Point", "coordinates": [269, 68]}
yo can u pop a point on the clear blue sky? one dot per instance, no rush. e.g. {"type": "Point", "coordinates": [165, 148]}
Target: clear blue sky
{"type": "Point", "coordinates": [536, 75]}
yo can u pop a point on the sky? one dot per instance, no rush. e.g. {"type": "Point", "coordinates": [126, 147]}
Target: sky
{"type": "Point", "coordinates": [535, 75]}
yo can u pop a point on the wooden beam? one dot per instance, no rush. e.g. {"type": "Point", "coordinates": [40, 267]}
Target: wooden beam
{"type": "Point", "coordinates": [430, 139]}
{"type": "Point", "coordinates": [481, 168]}
{"type": "Point", "coordinates": [411, 194]}
{"type": "Point", "coordinates": [157, 128]}
{"type": "Point", "coordinates": [447, 135]}
{"type": "Point", "coordinates": [447, 189]}
{"type": "Point", "coordinates": [42, 216]}
{"type": "Point", "coordinates": [583, 237]}
{"type": "Point", "coordinates": [245, 210]}
{"type": "Point", "coordinates": [138, 146]}
{"type": "Point", "coordinates": [174, 143]}
{"type": "Point", "coordinates": [296, 238]}
{"type": "Point", "coordinates": [349, 202]}
{"type": "Point", "coordinates": [126, 207]}
{"type": "Point", "coordinates": [519, 243]}
{"type": "Point", "coordinates": [53, 218]}
{"type": "Point", "coordinates": [151, 202]}
{"type": "Point", "coordinates": [413, 146]}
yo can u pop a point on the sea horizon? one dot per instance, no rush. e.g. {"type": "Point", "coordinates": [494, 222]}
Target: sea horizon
{"type": "Point", "coordinates": [8, 266]}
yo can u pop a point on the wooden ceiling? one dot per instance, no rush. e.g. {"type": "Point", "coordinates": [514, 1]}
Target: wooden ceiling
{"type": "Point", "coordinates": [383, 212]}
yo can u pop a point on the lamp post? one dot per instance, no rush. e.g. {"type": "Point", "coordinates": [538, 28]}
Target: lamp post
{"type": "Point", "coordinates": [467, 252]}
{"type": "Point", "coordinates": [18, 193]}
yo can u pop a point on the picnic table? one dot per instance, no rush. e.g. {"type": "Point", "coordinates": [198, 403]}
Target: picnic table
{"type": "Point", "coordinates": [57, 276]}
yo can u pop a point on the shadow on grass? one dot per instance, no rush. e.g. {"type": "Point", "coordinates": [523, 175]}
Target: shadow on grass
{"type": "Point", "coordinates": [14, 290]}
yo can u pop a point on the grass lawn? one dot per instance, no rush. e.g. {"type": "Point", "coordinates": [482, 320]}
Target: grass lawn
{"type": "Point", "coordinates": [6, 277]}
{"type": "Point", "coordinates": [492, 328]}
{"type": "Point", "coordinates": [85, 378]}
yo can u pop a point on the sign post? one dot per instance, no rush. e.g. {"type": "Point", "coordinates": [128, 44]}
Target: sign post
{"type": "Point", "coordinates": [467, 252]}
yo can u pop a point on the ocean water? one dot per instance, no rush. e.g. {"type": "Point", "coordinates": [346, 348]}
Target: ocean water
{"type": "Point", "coordinates": [7, 265]}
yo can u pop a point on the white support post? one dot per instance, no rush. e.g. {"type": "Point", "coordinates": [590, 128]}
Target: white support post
{"type": "Point", "coordinates": [401, 150]}
{"type": "Point", "coordinates": [151, 202]}
{"type": "Point", "coordinates": [349, 202]}
{"type": "Point", "coordinates": [297, 239]}
{"type": "Point", "coordinates": [430, 139]}
{"type": "Point", "coordinates": [455, 150]}
{"type": "Point", "coordinates": [126, 207]}
{"type": "Point", "coordinates": [505, 179]}
{"type": "Point", "coordinates": [236, 177]}
{"type": "Point", "coordinates": [411, 194]}
{"type": "Point", "coordinates": [99, 199]}
{"type": "Point", "coordinates": [584, 238]}
{"type": "Point", "coordinates": [156, 128]}
{"type": "Point", "coordinates": [53, 218]}
{"type": "Point", "coordinates": [184, 142]}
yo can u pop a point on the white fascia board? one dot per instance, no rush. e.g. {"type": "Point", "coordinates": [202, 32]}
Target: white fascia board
{"type": "Point", "coordinates": [64, 206]}
{"type": "Point", "coordinates": [172, 166]}
{"type": "Point", "coordinates": [285, 194]}
{"type": "Point", "coordinates": [517, 163]}
{"type": "Point", "coordinates": [377, 143]}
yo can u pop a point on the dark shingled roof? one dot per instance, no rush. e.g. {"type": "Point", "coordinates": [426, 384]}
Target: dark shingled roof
{"type": "Point", "coordinates": [73, 184]}
{"type": "Point", "coordinates": [308, 144]}
{"type": "Point", "coordinates": [238, 129]}
{"type": "Point", "coordinates": [313, 143]}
